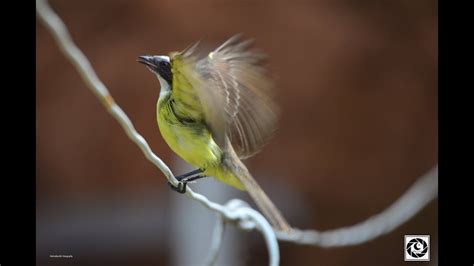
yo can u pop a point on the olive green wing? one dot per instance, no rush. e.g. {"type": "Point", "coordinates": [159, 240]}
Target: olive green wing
{"type": "Point", "coordinates": [187, 102]}
{"type": "Point", "coordinates": [230, 90]}
{"type": "Point", "coordinates": [236, 92]}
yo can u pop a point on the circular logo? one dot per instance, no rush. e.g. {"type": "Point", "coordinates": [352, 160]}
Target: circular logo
{"type": "Point", "coordinates": [417, 247]}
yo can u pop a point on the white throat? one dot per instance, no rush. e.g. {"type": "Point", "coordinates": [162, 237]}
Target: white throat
{"type": "Point", "coordinates": [165, 86]}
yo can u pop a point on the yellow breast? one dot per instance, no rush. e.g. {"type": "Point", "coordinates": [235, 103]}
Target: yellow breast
{"type": "Point", "coordinates": [190, 140]}
{"type": "Point", "coordinates": [193, 142]}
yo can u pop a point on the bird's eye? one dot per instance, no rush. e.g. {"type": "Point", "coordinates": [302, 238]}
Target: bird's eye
{"type": "Point", "coordinates": [164, 64]}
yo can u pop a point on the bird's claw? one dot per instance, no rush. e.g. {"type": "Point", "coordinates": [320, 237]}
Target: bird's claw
{"type": "Point", "coordinates": [180, 188]}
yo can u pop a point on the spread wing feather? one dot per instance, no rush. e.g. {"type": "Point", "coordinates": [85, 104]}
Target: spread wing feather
{"type": "Point", "coordinates": [235, 94]}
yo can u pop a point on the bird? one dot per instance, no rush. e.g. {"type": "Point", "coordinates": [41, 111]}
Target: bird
{"type": "Point", "coordinates": [216, 109]}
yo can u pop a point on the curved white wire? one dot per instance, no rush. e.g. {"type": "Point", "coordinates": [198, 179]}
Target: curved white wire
{"type": "Point", "coordinates": [249, 219]}
{"type": "Point", "coordinates": [216, 241]}
{"type": "Point", "coordinates": [418, 196]}
{"type": "Point", "coordinates": [423, 191]}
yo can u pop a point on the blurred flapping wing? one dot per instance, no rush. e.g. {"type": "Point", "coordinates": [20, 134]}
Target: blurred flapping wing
{"type": "Point", "coordinates": [235, 94]}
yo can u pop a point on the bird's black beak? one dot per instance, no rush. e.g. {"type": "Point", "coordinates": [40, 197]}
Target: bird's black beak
{"type": "Point", "coordinates": [159, 65]}
{"type": "Point", "coordinates": [147, 61]}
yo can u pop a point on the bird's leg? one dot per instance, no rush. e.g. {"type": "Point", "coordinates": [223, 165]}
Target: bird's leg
{"type": "Point", "coordinates": [181, 177]}
{"type": "Point", "coordinates": [189, 179]}
{"type": "Point", "coordinates": [184, 179]}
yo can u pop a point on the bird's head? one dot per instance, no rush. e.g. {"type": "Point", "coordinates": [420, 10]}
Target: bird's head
{"type": "Point", "coordinates": [160, 65]}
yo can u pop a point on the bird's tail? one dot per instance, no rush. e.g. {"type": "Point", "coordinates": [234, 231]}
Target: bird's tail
{"type": "Point", "coordinates": [256, 192]}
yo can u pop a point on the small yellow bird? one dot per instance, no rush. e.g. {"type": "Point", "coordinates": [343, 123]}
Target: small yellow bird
{"type": "Point", "coordinates": [214, 111]}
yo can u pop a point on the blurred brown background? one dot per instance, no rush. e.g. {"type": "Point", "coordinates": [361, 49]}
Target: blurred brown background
{"type": "Point", "coordinates": [357, 83]}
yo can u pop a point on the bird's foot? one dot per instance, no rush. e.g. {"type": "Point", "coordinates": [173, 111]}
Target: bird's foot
{"type": "Point", "coordinates": [187, 175]}
{"type": "Point", "coordinates": [180, 188]}
{"type": "Point", "coordinates": [184, 179]}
